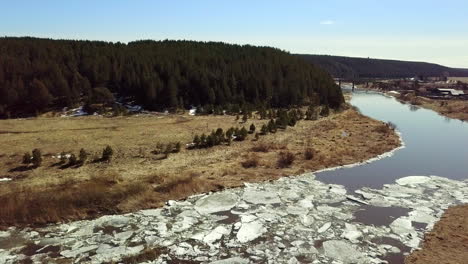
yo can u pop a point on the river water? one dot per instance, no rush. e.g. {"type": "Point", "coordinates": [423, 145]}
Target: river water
{"type": "Point", "coordinates": [435, 145]}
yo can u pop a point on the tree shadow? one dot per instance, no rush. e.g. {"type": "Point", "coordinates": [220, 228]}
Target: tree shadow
{"type": "Point", "coordinates": [22, 168]}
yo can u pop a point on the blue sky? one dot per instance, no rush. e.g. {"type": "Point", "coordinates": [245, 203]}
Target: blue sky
{"type": "Point", "coordinates": [433, 31]}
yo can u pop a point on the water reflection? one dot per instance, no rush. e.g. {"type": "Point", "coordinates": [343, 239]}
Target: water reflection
{"type": "Point", "coordinates": [435, 145]}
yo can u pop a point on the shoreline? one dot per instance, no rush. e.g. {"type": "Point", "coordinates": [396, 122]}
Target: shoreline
{"type": "Point", "coordinates": [454, 109]}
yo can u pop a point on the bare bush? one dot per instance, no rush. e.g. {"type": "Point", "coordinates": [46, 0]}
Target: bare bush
{"type": "Point", "coordinates": [285, 159]}
{"type": "Point", "coordinates": [309, 153]}
{"type": "Point", "coordinates": [251, 162]}
{"type": "Point", "coordinates": [261, 147]}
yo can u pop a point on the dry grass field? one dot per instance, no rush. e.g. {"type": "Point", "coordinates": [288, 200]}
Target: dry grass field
{"type": "Point", "coordinates": [136, 178]}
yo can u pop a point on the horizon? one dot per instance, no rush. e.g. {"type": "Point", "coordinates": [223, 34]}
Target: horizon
{"type": "Point", "coordinates": [421, 31]}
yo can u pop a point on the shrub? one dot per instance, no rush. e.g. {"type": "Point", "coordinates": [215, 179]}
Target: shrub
{"type": "Point", "coordinates": [196, 141]}
{"type": "Point", "coordinates": [272, 126]}
{"type": "Point", "coordinates": [262, 147]}
{"type": "Point", "coordinates": [285, 159]}
{"type": "Point", "coordinates": [252, 129]}
{"type": "Point", "coordinates": [72, 160]}
{"type": "Point", "coordinates": [177, 147]}
{"type": "Point", "coordinates": [309, 153]}
{"type": "Point", "coordinates": [63, 158]}
{"type": "Point", "coordinates": [241, 134]}
{"type": "Point", "coordinates": [325, 111]}
{"type": "Point", "coordinates": [169, 148]}
{"type": "Point", "coordinates": [257, 136]}
{"type": "Point", "coordinates": [251, 162]}
{"type": "Point", "coordinates": [37, 157]}
{"type": "Point", "coordinates": [27, 158]}
{"type": "Point", "coordinates": [83, 156]}
{"type": "Point", "coordinates": [244, 117]}
{"type": "Point", "coordinates": [264, 130]}
{"type": "Point", "coordinates": [107, 154]}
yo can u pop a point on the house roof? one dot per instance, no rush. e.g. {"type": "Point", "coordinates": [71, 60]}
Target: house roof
{"type": "Point", "coordinates": [451, 91]}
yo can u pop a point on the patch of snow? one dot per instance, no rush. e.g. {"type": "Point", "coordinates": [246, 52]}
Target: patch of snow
{"type": "Point", "coordinates": [5, 179]}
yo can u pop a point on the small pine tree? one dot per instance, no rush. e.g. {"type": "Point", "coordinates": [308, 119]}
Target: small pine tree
{"type": "Point", "coordinates": [252, 129]}
{"type": "Point", "coordinates": [203, 140]}
{"type": "Point", "coordinates": [72, 160]}
{"type": "Point", "coordinates": [63, 157]}
{"type": "Point", "coordinates": [264, 129]}
{"type": "Point", "coordinates": [107, 154]}
{"type": "Point", "coordinates": [177, 147]}
{"type": "Point", "coordinates": [272, 126]}
{"type": "Point", "coordinates": [242, 134]}
{"type": "Point", "coordinates": [210, 142]}
{"type": "Point", "coordinates": [83, 156]}
{"type": "Point", "coordinates": [196, 141]}
{"type": "Point", "coordinates": [36, 157]}
{"type": "Point", "coordinates": [245, 117]}
{"type": "Point", "coordinates": [27, 158]}
{"type": "Point", "coordinates": [169, 148]}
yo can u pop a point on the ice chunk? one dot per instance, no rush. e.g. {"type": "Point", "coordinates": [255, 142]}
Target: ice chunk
{"type": "Point", "coordinates": [324, 228]}
{"type": "Point", "coordinates": [216, 234]}
{"type": "Point", "coordinates": [260, 197]}
{"type": "Point", "coordinates": [342, 251]}
{"type": "Point", "coordinates": [413, 180]}
{"type": "Point", "coordinates": [402, 226]}
{"type": "Point", "coordinates": [235, 260]}
{"type": "Point", "coordinates": [217, 202]}
{"type": "Point", "coordinates": [250, 231]}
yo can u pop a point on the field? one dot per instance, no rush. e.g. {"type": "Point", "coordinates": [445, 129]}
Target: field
{"type": "Point", "coordinates": [136, 178]}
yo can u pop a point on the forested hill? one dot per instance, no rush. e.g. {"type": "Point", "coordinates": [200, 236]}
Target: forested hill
{"type": "Point", "coordinates": [39, 74]}
{"type": "Point", "coordinates": [346, 67]}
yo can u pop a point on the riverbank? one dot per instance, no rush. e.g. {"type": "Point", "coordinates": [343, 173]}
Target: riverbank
{"type": "Point", "coordinates": [137, 179]}
{"type": "Point", "coordinates": [447, 242]}
{"type": "Point", "coordinates": [454, 108]}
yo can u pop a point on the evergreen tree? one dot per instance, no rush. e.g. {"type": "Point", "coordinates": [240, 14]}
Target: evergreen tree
{"type": "Point", "coordinates": [107, 154]}
{"type": "Point", "coordinates": [83, 156]}
{"type": "Point", "coordinates": [36, 157]}
{"type": "Point", "coordinates": [264, 129]}
{"type": "Point", "coordinates": [252, 129]}
{"type": "Point", "coordinates": [196, 141]}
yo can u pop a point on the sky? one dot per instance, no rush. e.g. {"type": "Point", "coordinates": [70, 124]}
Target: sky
{"type": "Point", "coordinates": [418, 30]}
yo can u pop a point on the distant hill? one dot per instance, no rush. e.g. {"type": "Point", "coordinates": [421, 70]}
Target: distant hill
{"type": "Point", "coordinates": [346, 67]}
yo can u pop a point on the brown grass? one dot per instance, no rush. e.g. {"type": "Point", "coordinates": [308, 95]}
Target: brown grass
{"type": "Point", "coordinates": [137, 179]}
{"type": "Point", "coordinates": [71, 200]}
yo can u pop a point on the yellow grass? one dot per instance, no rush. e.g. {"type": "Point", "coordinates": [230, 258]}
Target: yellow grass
{"type": "Point", "coordinates": [137, 179]}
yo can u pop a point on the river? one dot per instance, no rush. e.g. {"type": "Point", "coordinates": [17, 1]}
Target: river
{"type": "Point", "coordinates": [434, 145]}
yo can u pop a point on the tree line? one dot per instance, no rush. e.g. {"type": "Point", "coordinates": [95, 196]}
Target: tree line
{"type": "Point", "coordinates": [349, 67]}
{"type": "Point", "coordinates": [37, 75]}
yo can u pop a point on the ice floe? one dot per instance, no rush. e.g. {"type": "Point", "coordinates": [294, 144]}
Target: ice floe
{"type": "Point", "coordinates": [292, 220]}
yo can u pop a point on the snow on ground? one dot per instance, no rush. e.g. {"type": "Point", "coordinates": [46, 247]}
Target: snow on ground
{"type": "Point", "coordinates": [291, 220]}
